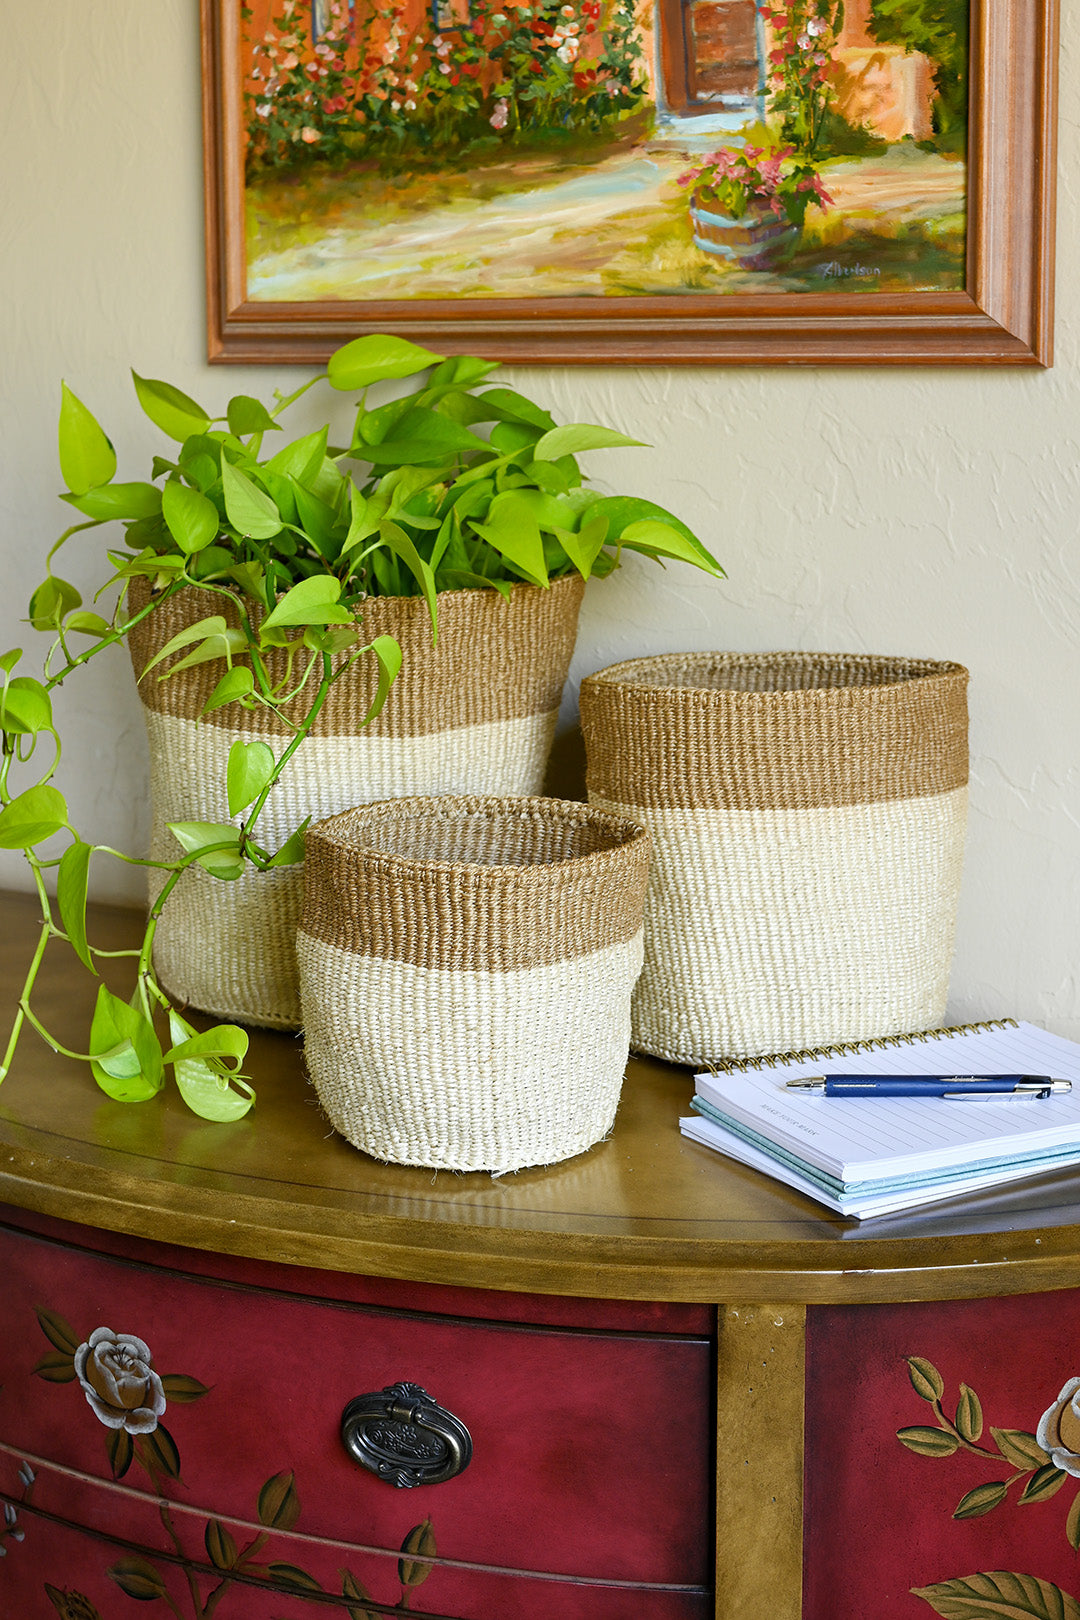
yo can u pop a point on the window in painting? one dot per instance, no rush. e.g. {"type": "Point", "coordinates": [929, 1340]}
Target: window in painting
{"type": "Point", "coordinates": [322, 20]}
{"type": "Point", "coordinates": [446, 15]}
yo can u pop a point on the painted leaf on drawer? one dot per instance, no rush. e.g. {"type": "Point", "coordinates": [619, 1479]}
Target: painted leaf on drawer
{"type": "Point", "coordinates": [591, 1449]}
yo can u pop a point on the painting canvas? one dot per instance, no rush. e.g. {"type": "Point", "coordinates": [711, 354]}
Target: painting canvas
{"type": "Point", "coordinates": [606, 162]}
{"type": "Point", "coordinates": [494, 149]}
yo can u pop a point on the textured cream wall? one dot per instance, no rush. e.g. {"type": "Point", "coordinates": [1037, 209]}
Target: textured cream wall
{"type": "Point", "coordinates": [912, 511]}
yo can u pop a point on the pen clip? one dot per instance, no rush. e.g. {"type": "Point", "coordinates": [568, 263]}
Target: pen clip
{"type": "Point", "coordinates": [1019, 1093]}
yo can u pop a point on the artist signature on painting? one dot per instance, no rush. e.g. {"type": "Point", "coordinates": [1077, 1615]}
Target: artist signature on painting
{"type": "Point", "coordinates": [835, 269]}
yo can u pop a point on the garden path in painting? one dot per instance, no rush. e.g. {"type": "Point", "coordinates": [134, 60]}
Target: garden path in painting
{"type": "Point", "coordinates": [615, 225]}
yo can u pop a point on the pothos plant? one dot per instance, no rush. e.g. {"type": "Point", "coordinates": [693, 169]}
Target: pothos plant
{"type": "Point", "coordinates": [292, 542]}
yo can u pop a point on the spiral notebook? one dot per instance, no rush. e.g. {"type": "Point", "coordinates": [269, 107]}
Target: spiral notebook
{"type": "Point", "coordinates": [872, 1157]}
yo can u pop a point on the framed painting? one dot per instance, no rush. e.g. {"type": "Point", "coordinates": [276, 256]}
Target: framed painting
{"type": "Point", "coordinates": [713, 181]}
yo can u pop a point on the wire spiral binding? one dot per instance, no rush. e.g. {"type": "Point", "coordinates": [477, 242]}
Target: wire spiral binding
{"type": "Point", "coordinates": [776, 1060]}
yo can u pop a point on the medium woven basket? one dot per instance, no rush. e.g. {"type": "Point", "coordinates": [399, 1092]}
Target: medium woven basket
{"type": "Point", "coordinates": [807, 813]}
{"type": "Point", "coordinates": [466, 967]}
{"type": "Point", "coordinates": [474, 714]}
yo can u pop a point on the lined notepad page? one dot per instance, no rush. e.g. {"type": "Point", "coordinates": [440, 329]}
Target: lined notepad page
{"type": "Point", "coordinates": [867, 1138]}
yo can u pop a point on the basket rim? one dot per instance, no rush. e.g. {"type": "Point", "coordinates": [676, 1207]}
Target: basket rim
{"type": "Point", "coordinates": [923, 671]}
{"type": "Point", "coordinates": [627, 836]}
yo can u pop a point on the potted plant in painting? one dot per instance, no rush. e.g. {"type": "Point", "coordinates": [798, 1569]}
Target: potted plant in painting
{"type": "Point", "coordinates": [467, 549]}
{"type": "Point", "coordinates": [748, 203]}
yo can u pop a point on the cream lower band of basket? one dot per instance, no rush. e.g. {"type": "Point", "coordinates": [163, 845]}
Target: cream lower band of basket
{"type": "Point", "coordinates": [467, 1069]}
{"type": "Point", "coordinates": [771, 930]}
{"type": "Point", "coordinates": [227, 948]}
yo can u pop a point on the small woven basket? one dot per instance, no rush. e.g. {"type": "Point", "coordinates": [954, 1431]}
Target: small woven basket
{"type": "Point", "coordinates": [474, 714]}
{"type": "Point", "coordinates": [807, 813]}
{"type": "Point", "coordinates": [465, 968]}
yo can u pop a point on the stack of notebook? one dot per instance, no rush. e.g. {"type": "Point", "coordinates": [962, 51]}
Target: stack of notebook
{"type": "Point", "coordinates": [863, 1156]}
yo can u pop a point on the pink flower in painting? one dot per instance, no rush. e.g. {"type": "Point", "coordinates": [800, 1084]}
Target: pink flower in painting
{"type": "Point", "coordinates": [291, 60]}
{"type": "Point", "coordinates": [500, 117]}
{"type": "Point", "coordinates": [816, 26]}
{"type": "Point", "coordinates": [309, 135]}
{"type": "Point", "coordinates": [118, 1379]}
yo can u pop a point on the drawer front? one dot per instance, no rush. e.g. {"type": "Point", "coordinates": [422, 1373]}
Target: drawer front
{"type": "Point", "coordinates": [943, 1459]}
{"type": "Point", "coordinates": [73, 1545]}
{"type": "Point", "coordinates": [591, 1450]}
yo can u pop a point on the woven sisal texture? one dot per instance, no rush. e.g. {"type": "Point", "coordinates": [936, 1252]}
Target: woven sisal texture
{"type": "Point", "coordinates": [228, 948]}
{"type": "Point", "coordinates": [495, 659]}
{"type": "Point", "coordinates": [774, 730]}
{"type": "Point", "coordinates": [466, 968]}
{"type": "Point", "coordinates": [475, 883]}
{"type": "Point", "coordinates": [468, 1070]}
{"type": "Point", "coordinates": [807, 843]}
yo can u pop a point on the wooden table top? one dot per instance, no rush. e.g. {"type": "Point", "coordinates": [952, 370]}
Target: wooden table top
{"type": "Point", "coordinates": [645, 1215]}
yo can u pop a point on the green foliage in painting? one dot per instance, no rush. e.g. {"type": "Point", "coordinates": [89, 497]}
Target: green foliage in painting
{"type": "Point", "coordinates": [939, 29]}
{"type": "Point", "coordinates": [370, 87]}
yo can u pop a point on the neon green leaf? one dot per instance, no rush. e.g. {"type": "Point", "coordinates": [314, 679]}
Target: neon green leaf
{"type": "Point", "coordinates": [216, 846]}
{"type": "Point", "coordinates": [87, 624]}
{"type": "Point", "coordinates": [575, 437]}
{"type": "Point", "coordinates": [122, 502]}
{"type": "Point", "coordinates": [174, 413]}
{"type": "Point", "coordinates": [248, 415]}
{"type": "Point", "coordinates": [53, 598]}
{"type": "Point", "coordinates": [373, 358]}
{"type": "Point", "coordinates": [249, 509]}
{"type": "Point", "coordinates": [250, 767]}
{"type": "Point", "coordinates": [235, 683]}
{"type": "Point", "coordinates": [512, 529]}
{"type": "Point", "coordinates": [313, 601]}
{"type": "Point", "coordinates": [128, 1065]}
{"type": "Point", "coordinates": [192, 520]}
{"type": "Point", "coordinates": [87, 459]}
{"type": "Point", "coordinates": [292, 850]}
{"type": "Point", "coordinates": [661, 540]}
{"type": "Point", "coordinates": [71, 888]}
{"type": "Point", "coordinates": [32, 817]}
{"type": "Point", "coordinates": [25, 707]}
{"type": "Point", "coordinates": [388, 653]}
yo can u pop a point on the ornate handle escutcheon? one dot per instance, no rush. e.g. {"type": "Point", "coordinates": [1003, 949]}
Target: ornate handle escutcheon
{"type": "Point", "coordinates": [403, 1436]}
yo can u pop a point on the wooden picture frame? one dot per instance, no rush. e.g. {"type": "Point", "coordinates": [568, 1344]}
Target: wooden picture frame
{"type": "Point", "coordinates": [1002, 315]}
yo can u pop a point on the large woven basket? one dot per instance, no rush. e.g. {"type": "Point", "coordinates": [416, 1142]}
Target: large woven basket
{"type": "Point", "coordinates": [475, 714]}
{"type": "Point", "coordinates": [466, 967]}
{"type": "Point", "coordinates": [807, 814]}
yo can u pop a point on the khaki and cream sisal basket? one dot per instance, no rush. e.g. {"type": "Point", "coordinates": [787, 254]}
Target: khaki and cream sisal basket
{"type": "Point", "coordinates": [475, 714]}
{"type": "Point", "coordinates": [466, 967]}
{"type": "Point", "coordinates": [808, 814]}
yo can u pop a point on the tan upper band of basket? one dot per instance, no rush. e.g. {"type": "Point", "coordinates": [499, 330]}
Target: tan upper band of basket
{"type": "Point", "coordinates": [416, 880]}
{"type": "Point", "coordinates": [774, 731]}
{"type": "Point", "coordinates": [478, 631]}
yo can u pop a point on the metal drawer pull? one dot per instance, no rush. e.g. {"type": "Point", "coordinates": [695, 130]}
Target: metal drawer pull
{"type": "Point", "coordinates": [403, 1436]}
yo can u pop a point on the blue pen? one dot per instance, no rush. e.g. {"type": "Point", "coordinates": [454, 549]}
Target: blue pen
{"type": "Point", "coordinates": [952, 1088]}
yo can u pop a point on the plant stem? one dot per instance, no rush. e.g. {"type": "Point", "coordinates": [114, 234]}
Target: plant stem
{"type": "Point", "coordinates": [115, 635]}
{"type": "Point", "coordinates": [284, 403]}
{"type": "Point", "coordinates": [22, 1009]}
{"type": "Point", "coordinates": [189, 1573]}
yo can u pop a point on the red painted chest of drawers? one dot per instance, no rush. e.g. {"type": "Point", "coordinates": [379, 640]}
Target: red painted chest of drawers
{"type": "Point", "coordinates": [590, 1427]}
